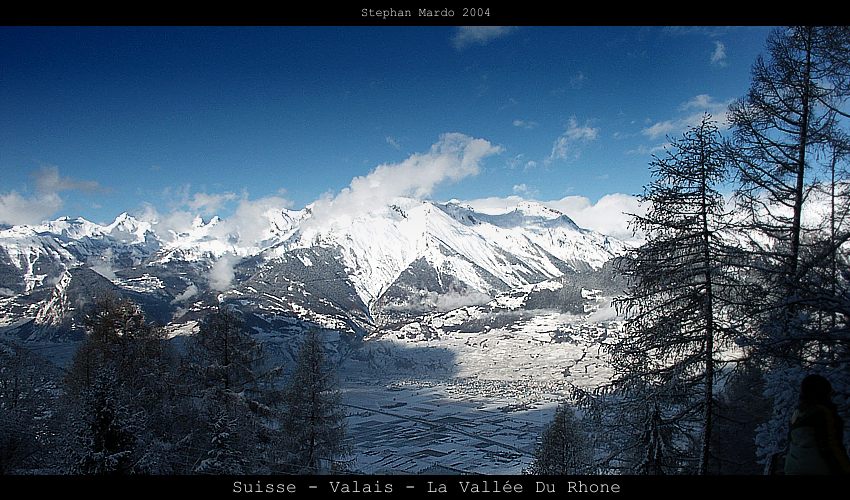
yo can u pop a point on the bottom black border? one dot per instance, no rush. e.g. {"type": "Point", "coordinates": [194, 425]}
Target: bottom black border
{"type": "Point", "coordinates": [400, 486]}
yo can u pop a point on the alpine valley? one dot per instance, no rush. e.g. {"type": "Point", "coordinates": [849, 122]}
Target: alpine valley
{"type": "Point", "coordinates": [439, 317]}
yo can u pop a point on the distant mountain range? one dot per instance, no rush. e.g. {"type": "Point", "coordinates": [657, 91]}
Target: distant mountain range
{"type": "Point", "coordinates": [291, 270]}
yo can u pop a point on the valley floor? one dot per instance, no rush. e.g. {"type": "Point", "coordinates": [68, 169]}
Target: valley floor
{"type": "Point", "coordinates": [407, 427]}
{"type": "Point", "coordinates": [464, 402]}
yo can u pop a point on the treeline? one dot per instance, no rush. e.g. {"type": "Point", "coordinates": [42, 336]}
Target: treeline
{"type": "Point", "coordinates": [131, 403]}
{"type": "Point", "coordinates": [742, 287]}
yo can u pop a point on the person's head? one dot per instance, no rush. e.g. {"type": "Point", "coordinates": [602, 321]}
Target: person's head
{"type": "Point", "coordinates": [815, 389]}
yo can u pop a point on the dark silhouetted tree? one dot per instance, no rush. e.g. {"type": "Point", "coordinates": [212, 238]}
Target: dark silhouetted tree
{"type": "Point", "coordinates": [224, 455]}
{"type": "Point", "coordinates": [223, 356]}
{"type": "Point", "coordinates": [121, 391]}
{"type": "Point", "coordinates": [314, 417]}
{"type": "Point", "coordinates": [742, 407]}
{"type": "Point", "coordinates": [106, 434]}
{"type": "Point", "coordinates": [789, 133]}
{"type": "Point", "coordinates": [234, 391]}
{"type": "Point", "coordinates": [563, 447]}
{"type": "Point", "coordinates": [675, 301]}
{"type": "Point", "coordinates": [28, 401]}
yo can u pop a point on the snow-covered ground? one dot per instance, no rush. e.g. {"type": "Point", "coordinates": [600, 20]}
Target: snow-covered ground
{"type": "Point", "coordinates": [404, 427]}
{"type": "Point", "coordinates": [470, 401]}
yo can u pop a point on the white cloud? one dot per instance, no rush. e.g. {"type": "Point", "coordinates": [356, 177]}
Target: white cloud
{"type": "Point", "coordinates": [566, 146]}
{"type": "Point", "coordinates": [209, 204]}
{"type": "Point", "coordinates": [199, 202]}
{"type": "Point", "coordinates": [428, 301]}
{"type": "Point", "coordinates": [222, 273]}
{"type": "Point", "coordinates": [520, 161]}
{"type": "Point", "coordinates": [584, 133]}
{"type": "Point", "coordinates": [167, 225]}
{"type": "Point", "coordinates": [392, 141]}
{"type": "Point", "coordinates": [105, 270]}
{"type": "Point", "coordinates": [16, 208]}
{"type": "Point", "coordinates": [523, 189]}
{"type": "Point", "coordinates": [248, 226]}
{"type": "Point", "coordinates": [452, 158]}
{"type": "Point", "coordinates": [495, 204]}
{"type": "Point", "coordinates": [701, 102]}
{"type": "Point", "coordinates": [48, 180]}
{"type": "Point", "coordinates": [607, 215]}
{"type": "Point", "coordinates": [662, 129]}
{"type": "Point", "coordinates": [102, 264]}
{"type": "Point", "coordinates": [718, 57]}
{"type": "Point", "coordinates": [526, 124]}
{"type": "Point", "coordinates": [605, 312]}
{"type": "Point", "coordinates": [466, 36]}
{"type": "Point", "coordinates": [188, 293]}
{"type": "Point", "coordinates": [697, 105]}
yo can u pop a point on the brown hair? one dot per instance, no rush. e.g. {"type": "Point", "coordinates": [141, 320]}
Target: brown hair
{"type": "Point", "coordinates": [816, 389]}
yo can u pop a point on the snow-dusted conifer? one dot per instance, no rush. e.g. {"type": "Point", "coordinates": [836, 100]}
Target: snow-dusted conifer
{"type": "Point", "coordinates": [105, 435]}
{"type": "Point", "coordinates": [223, 357]}
{"type": "Point", "coordinates": [668, 354]}
{"type": "Point", "coordinates": [28, 400]}
{"type": "Point", "coordinates": [224, 455]}
{"type": "Point", "coordinates": [314, 419]}
{"type": "Point", "coordinates": [563, 447]}
{"type": "Point", "coordinates": [126, 366]}
{"type": "Point", "coordinates": [226, 375]}
{"type": "Point", "coordinates": [789, 133]}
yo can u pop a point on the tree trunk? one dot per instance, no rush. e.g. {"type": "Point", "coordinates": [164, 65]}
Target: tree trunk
{"type": "Point", "coordinates": [801, 168]}
{"type": "Point", "coordinates": [708, 401]}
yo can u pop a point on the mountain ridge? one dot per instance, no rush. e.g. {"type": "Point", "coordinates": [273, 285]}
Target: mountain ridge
{"type": "Point", "coordinates": [346, 272]}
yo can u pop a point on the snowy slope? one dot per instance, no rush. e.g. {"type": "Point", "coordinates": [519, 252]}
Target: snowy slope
{"type": "Point", "coordinates": [211, 240]}
{"type": "Point", "coordinates": [487, 253]}
{"type": "Point", "coordinates": [31, 258]}
{"type": "Point", "coordinates": [406, 258]}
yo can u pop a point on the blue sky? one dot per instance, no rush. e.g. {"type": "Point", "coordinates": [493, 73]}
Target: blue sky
{"type": "Point", "coordinates": [96, 121]}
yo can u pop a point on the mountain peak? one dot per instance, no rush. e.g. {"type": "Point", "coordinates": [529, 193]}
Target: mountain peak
{"type": "Point", "coordinates": [536, 209]}
{"type": "Point", "coordinates": [128, 229]}
{"type": "Point", "coordinates": [70, 227]}
{"type": "Point", "coordinates": [125, 222]}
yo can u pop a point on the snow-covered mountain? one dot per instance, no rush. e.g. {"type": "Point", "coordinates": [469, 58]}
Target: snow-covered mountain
{"type": "Point", "coordinates": [351, 273]}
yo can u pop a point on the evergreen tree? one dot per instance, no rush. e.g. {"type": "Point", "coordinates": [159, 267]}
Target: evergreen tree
{"type": "Point", "coordinates": [28, 388]}
{"type": "Point", "coordinates": [563, 447]}
{"type": "Point", "coordinates": [639, 431]}
{"type": "Point", "coordinates": [223, 357]}
{"type": "Point", "coordinates": [789, 132]}
{"type": "Point", "coordinates": [106, 436]}
{"type": "Point", "coordinates": [233, 389]}
{"type": "Point", "coordinates": [784, 128]}
{"type": "Point", "coordinates": [314, 417]}
{"type": "Point", "coordinates": [120, 338]}
{"type": "Point", "coordinates": [742, 407]}
{"type": "Point", "coordinates": [122, 380]}
{"type": "Point", "coordinates": [224, 456]}
{"type": "Point", "coordinates": [677, 282]}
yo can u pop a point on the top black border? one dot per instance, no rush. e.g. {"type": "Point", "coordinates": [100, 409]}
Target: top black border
{"type": "Point", "coordinates": [559, 13]}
